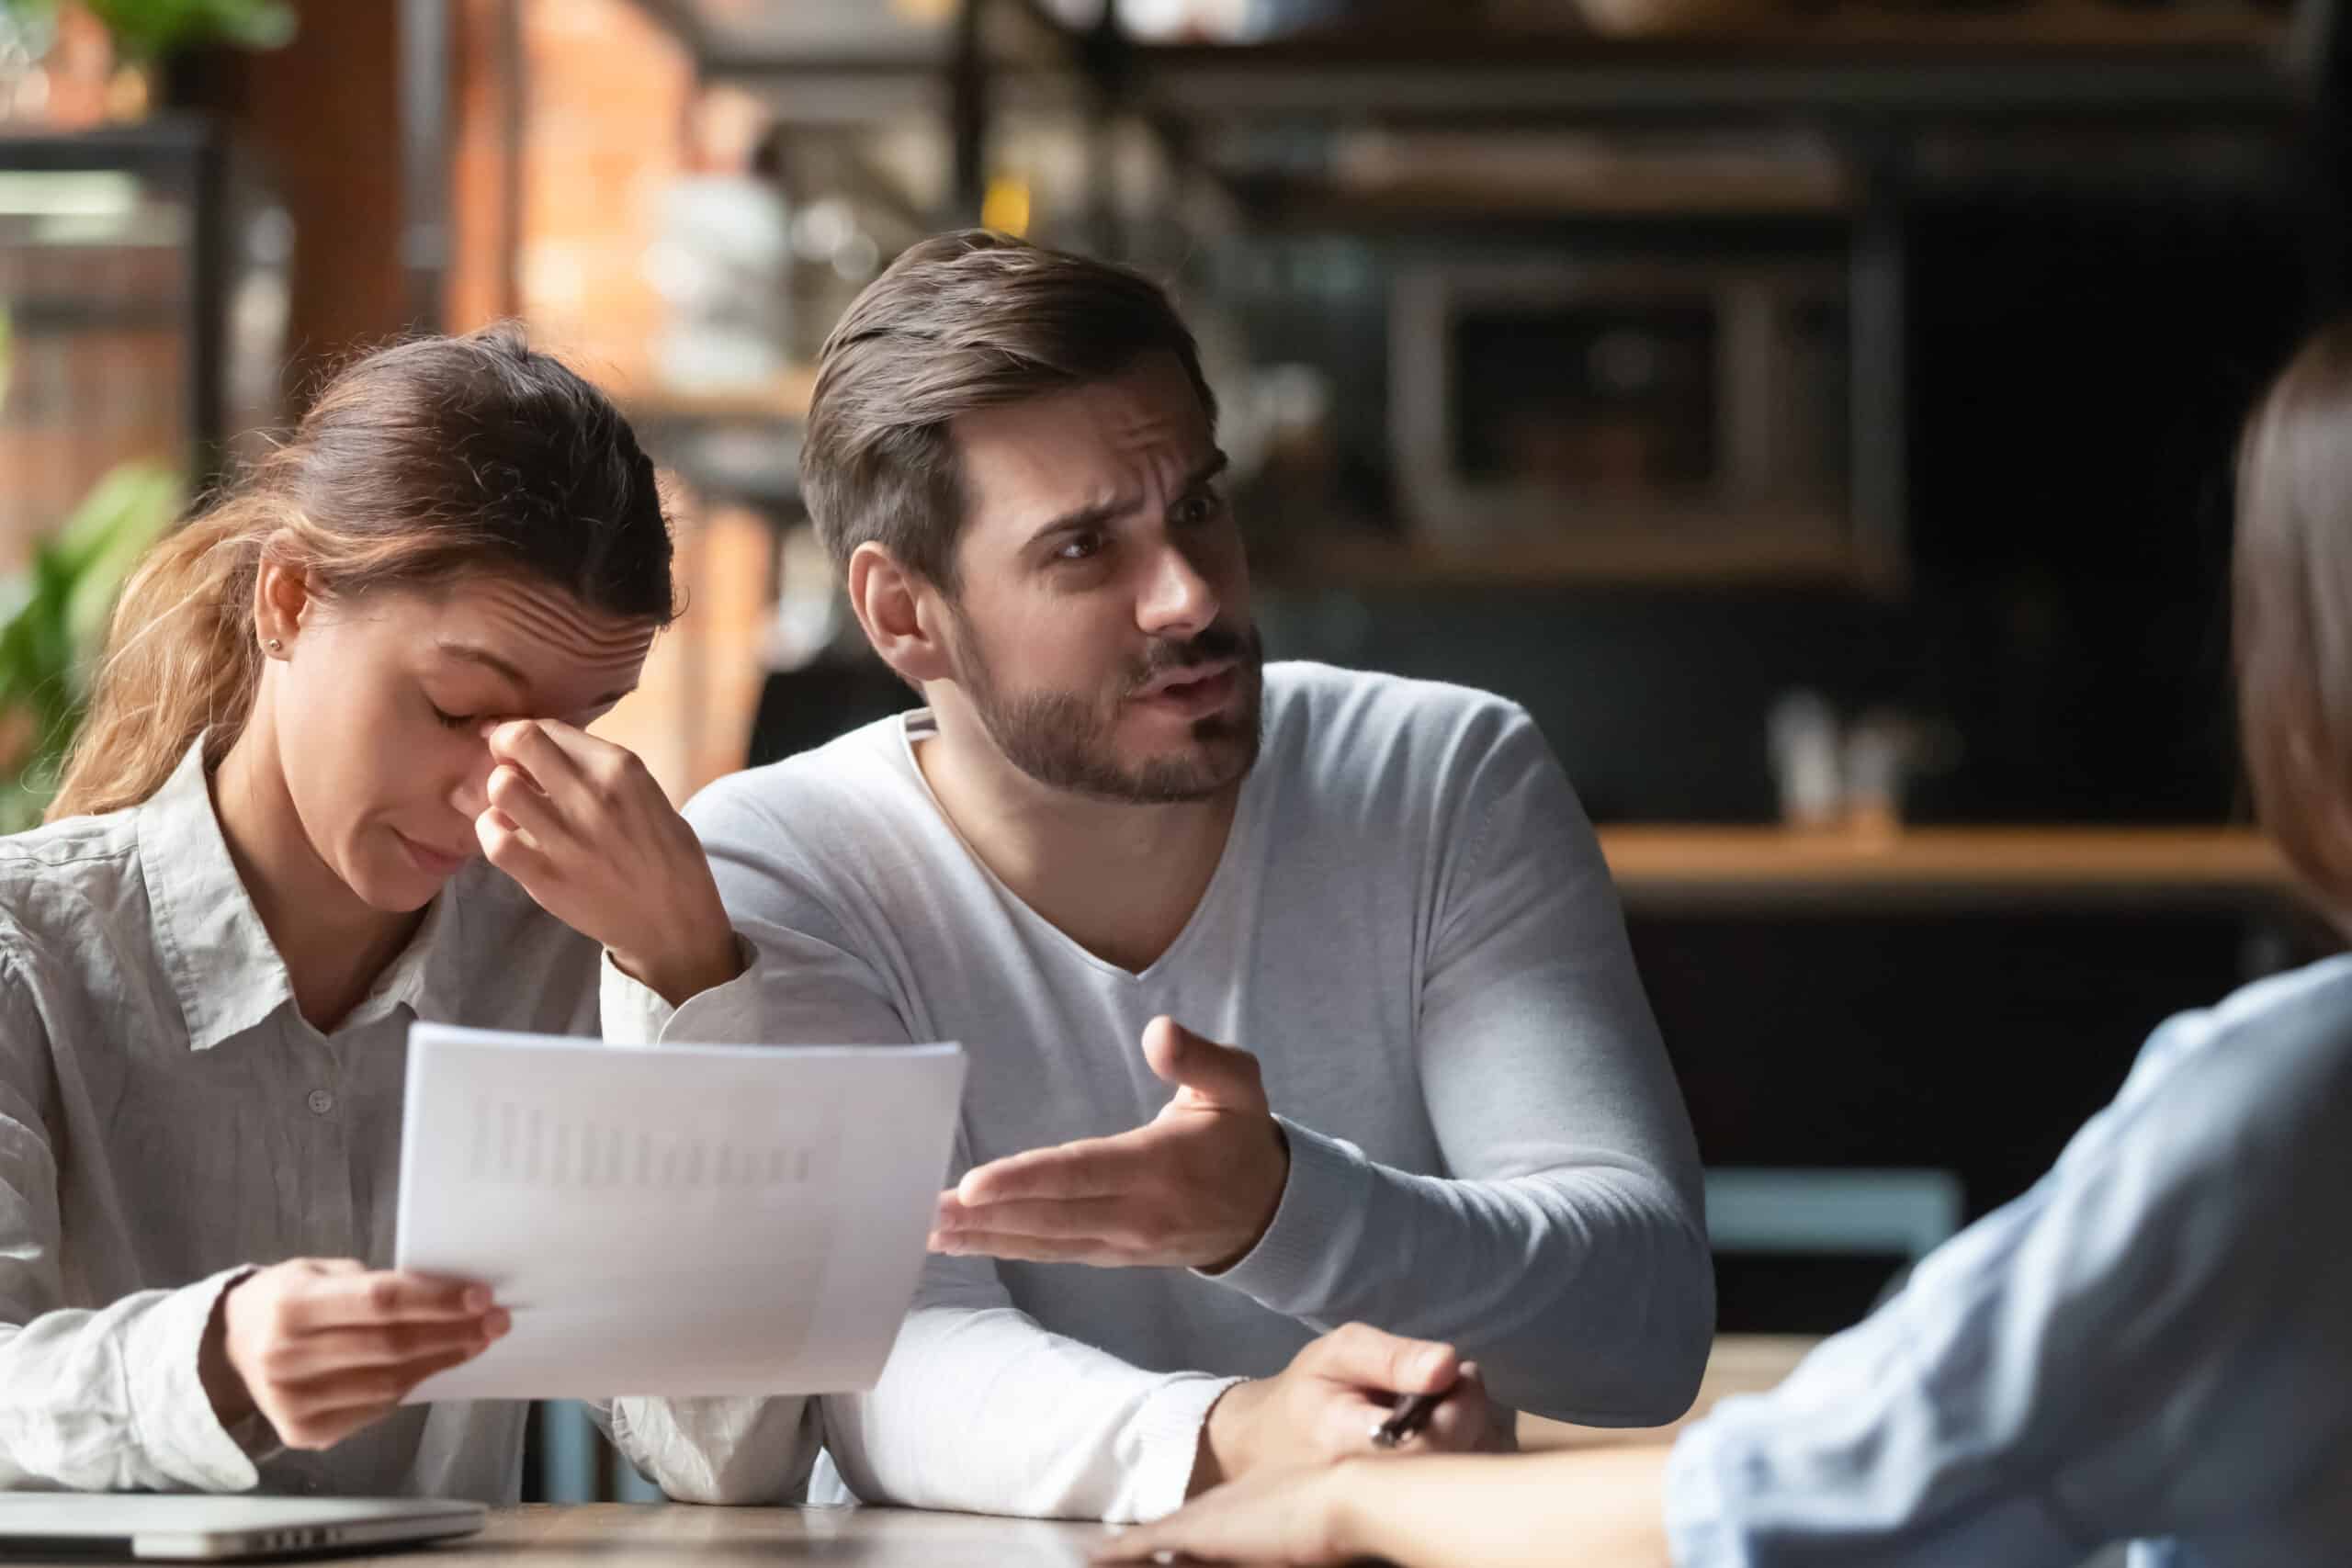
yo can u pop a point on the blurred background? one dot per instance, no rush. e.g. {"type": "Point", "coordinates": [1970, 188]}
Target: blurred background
{"type": "Point", "coordinates": [1818, 412]}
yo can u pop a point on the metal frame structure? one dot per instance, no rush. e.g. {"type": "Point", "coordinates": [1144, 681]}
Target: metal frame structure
{"type": "Point", "coordinates": [424, 139]}
{"type": "Point", "coordinates": [1876, 97]}
{"type": "Point", "coordinates": [184, 154]}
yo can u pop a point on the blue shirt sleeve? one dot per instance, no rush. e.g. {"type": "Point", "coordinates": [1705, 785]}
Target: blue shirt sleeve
{"type": "Point", "coordinates": [2151, 1344]}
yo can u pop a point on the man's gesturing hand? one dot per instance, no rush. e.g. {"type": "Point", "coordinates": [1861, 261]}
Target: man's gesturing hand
{"type": "Point", "coordinates": [1193, 1188]}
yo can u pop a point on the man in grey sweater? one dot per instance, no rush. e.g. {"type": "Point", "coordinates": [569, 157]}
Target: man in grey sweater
{"type": "Point", "coordinates": [1296, 997]}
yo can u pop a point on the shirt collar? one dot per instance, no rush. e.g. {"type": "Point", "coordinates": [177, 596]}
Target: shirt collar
{"type": "Point", "coordinates": [223, 966]}
{"type": "Point", "coordinates": [427, 977]}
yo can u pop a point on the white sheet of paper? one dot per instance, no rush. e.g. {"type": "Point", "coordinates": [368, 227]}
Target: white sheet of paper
{"type": "Point", "coordinates": [673, 1219]}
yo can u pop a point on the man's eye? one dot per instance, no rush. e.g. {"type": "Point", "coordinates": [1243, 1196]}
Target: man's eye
{"type": "Point", "coordinates": [1080, 546]}
{"type": "Point", "coordinates": [1199, 508]}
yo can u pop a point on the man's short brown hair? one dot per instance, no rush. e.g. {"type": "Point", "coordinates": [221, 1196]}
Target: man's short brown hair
{"type": "Point", "coordinates": [959, 322]}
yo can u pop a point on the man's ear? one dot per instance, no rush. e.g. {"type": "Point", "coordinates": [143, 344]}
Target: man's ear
{"type": "Point", "coordinates": [903, 614]}
{"type": "Point", "coordinates": [283, 598]}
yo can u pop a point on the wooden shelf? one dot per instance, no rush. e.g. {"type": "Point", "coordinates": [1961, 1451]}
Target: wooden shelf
{"type": "Point", "coordinates": [825, 63]}
{"type": "Point", "coordinates": [861, 62]}
{"type": "Point", "coordinates": [2092, 62]}
{"type": "Point", "coordinates": [1674, 867]}
{"type": "Point", "coordinates": [1366, 560]}
{"type": "Point", "coordinates": [736, 446]}
{"type": "Point", "coordinates": [784, 397]}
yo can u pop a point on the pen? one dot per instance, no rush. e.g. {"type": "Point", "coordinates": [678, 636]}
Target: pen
{"type": "Point", "coordinates": [1411, 1413]}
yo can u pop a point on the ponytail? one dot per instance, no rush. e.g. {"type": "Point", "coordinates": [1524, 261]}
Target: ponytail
{"type": "Point", "coordinates": [180, 661]}
{"type": "Point", "coordinates": [416, 465]}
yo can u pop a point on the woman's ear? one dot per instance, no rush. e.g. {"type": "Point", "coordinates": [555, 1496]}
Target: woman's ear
{"type": "Point", "coordinates": [282, 599]}
{"type": "Point", "coordinates": [901, 612]}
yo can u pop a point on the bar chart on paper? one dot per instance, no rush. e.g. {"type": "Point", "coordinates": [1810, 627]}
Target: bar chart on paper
{"type": "Point", "coordinates": [519, 1144]}
{"type": "Point", "coordinates": [682, 1220]}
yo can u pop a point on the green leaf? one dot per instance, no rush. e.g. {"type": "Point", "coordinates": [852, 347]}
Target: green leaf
{"type": "Point", "coordinates": [34, 12]}
{"type": "Point", "coordinates": [140, 500]}
{"type": "Point", "coordinates": [52, 617]}
{"type": "Point", "coordinates": [259, 26]}
{"type": "Point", "coordinates": [149, 29]}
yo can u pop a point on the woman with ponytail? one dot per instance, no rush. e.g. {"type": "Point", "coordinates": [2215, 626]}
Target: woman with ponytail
{"type": "Point", "coordinates": [333, 778]}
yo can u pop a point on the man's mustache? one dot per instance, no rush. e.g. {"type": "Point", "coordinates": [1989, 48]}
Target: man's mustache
{"type": "Point", "coordinates": [1216, 643]}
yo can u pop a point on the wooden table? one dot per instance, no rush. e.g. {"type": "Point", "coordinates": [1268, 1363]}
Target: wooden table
{"type": "Point", "coordinates": [611, 1534]}
{"type": "Point", "coordinates": [1740, 1363]}
{"type": "Point", "coordinates": [625, 1535]}
{"type": "Point", "coordinates": [622, 1535]}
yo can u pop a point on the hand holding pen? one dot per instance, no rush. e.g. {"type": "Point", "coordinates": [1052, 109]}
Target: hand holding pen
{"type": "Point", "coordinates": [1413, 1414]}
{"type": "Point", "coordinates": [1338, 1390]}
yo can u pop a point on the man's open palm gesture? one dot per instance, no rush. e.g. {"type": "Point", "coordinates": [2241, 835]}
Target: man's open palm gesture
{"type": "Point", "coordinates": [1195, 1188]}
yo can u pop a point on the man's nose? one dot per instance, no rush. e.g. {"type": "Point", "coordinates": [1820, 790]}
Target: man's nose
{"type": "Point", "coordinates": [1178, 601]}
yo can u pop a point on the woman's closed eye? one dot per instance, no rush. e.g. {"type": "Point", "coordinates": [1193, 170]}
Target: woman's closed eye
{"type": "Point", "coordinates": [458, 717]}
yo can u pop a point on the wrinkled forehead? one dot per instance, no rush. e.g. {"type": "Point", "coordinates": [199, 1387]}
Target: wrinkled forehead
{"type": "Point", "coordinates": [563, 656]}
{"type": "Point", "coordinates": [1132, 435]}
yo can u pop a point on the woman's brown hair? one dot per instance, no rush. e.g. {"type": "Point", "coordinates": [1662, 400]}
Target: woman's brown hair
{"type": "Point", "coordinates": [419, 463]}
{"type": "Point", "coordinates": [2292, 612]}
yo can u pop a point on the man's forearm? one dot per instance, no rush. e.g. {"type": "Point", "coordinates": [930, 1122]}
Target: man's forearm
{"type": "Point", "coordinates": [1586, 1294]}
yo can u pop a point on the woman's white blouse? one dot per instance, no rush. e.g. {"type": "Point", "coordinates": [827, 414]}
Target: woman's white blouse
{"type": "Point", "coordinates": [168, 1120]}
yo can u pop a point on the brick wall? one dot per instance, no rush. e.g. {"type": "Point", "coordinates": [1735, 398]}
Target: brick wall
{"type": "Point", "coordinates": [560, 158]}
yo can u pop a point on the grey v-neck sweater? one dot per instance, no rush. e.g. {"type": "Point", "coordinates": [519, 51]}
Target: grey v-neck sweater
{"type": "Point", "coordinates": [1413, 928]}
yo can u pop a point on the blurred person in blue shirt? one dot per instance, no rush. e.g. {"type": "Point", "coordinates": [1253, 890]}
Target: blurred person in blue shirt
{"type": "Point", "coordinates": [2153, 1345]}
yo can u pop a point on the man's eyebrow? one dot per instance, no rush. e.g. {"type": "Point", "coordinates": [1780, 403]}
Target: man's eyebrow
{"type": "Point", "coordinates": [1097, 514]}
{"type": "Point", "coordinates": [1090, 516]}
{"type": "Point", "coordinates": [1216, 463]}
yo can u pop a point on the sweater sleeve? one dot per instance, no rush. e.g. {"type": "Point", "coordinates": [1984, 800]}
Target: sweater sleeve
{"type": "Point", "coordinates": [1565, 1248]}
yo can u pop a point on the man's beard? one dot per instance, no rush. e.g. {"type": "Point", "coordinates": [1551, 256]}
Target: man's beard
{"type": "Point", "coordinates": [1067, 740]}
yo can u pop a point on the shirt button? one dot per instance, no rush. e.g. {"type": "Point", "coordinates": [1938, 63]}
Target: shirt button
{"type": "Point", "coordinates": [321, 1102]}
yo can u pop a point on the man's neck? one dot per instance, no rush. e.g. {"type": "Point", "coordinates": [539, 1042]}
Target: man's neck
{"type": "Point", "coordinates": [1121, 880]}
{"type": "Point", "coordinates": [334, 946]}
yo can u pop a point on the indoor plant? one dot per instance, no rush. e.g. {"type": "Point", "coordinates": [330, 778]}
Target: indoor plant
{"type": "Point", "coordinates": [147, 30]}
{"type": "Point", "coordinates": [52, 618]}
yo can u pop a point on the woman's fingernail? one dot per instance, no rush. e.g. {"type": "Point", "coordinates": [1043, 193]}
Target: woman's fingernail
{"type": "Point", "coordinates": [498, 1323]}
{"type": "Point", "coordinates": [476, 1299]}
